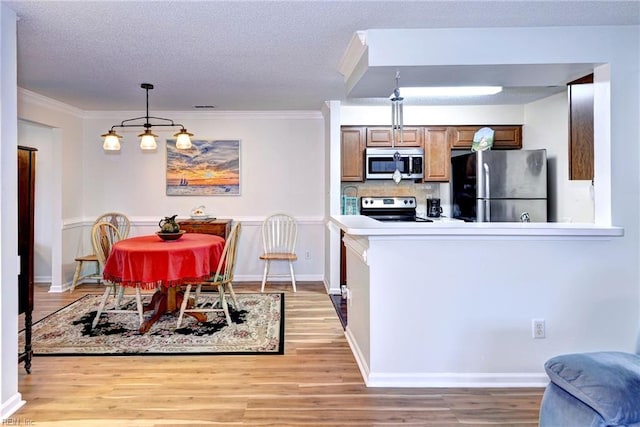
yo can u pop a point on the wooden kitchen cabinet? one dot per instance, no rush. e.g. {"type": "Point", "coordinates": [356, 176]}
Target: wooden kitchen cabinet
{"type": "Point", "coordinates": [437, 141]}
{"type": "Point", "coordinates": [352, 146]}
{"type": "Point", "coordinates": [437, 154]}
{"type": "Point", "coordinates": [218, 227]}
{"type": "Point", "coordinates": [581, 128]}
{"type": "Point", "coordinates": [506, 137]}
{"type": "Point", "coordinates": [381, 137]}
{"type": "Point", "coordinates": [26, 211]}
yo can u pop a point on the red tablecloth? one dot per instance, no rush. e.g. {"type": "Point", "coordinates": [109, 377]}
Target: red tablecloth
{"type": "Point", "coordinates": [151, 261]}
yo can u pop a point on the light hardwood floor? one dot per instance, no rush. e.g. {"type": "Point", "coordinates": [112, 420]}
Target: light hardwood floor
{"type": "Point", "coordinates": [315, 383]}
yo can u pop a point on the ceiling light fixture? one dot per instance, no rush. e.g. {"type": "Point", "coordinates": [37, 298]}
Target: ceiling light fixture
{"type": "Point", "coordinates": [147, 138]}
{"type": "Point", "coordinates": [450, 91]}
{"type": "Point", "coordinates": [396, 113]}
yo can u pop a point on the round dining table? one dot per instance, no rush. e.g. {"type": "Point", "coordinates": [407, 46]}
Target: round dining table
{"type": "Point", "coordinates": [164, 265]}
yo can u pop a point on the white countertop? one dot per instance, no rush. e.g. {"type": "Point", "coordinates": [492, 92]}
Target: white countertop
{"type": "Point", "coordinates": [361, 225]}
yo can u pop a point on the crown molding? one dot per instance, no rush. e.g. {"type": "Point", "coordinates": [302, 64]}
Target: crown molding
{"type": "Point", "coordinates": [30, 97]}
{"type": "Point", "coordinates": [195, 115]}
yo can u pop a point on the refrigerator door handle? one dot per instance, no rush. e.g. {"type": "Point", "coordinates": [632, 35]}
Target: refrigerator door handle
{"type": "Point", "coordinates": [480, 210]}
{"type": "Point", "coordinates": [487, 186]}
{"type": "Point", "coordinates": [486, 211]}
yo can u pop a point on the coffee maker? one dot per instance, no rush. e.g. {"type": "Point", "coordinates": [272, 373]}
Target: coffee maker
{"type": "Point", "coordinates": [434, 210]}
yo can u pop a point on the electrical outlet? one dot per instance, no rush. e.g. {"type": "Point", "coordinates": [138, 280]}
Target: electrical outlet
{"type": "Point", "coordinates": [307, 255]}
{"type": "Point", "coordinates": [538, 328]}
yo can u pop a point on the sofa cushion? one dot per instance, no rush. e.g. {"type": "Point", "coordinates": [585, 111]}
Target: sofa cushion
{"type": "Point", "coordinates": [609, 382]}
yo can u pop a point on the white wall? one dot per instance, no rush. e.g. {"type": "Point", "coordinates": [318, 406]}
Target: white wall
{"type": "Point", "coordinates": [332, 165]}
{"type": "Point", "coordinates": [40, 137]}
{"type": "Point", "coordinates": [281, 166]}
{"type": "Point", "coordinates": [415, 115]}
{"type": "Point", "coordinates": [461, 309]}
{"type": "Point", "coordinates": [10, 398]}
{"type": "Point", "coordinates": [547, 126]}
{"type": "Point", "coordinates": [66, 183]}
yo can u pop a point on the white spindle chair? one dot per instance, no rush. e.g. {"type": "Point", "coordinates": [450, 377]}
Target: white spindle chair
{"type": "Point", "coordinates": [279, 234]}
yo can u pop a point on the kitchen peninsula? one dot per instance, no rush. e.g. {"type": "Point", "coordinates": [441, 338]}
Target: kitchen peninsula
{"type": "Point", "coordinates": [450, 304]}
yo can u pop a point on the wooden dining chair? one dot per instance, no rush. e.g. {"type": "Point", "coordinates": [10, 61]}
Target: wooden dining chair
{"type": "Point", "coordinates": [103, 236]}
{"type": "Point", "coordinates": [122, 223]}
{"type": "Point", "coordinates": [279, 234]}
{"type": "Point", "coordinates": [222, 281]}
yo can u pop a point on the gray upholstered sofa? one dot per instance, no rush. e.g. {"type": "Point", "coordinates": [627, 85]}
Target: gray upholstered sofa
{"type": "Point", "coordinates": [592, 389]}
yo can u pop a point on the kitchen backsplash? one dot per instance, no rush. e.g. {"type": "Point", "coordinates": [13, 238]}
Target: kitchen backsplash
{"type": "Point", "coordinates": [421, 191]}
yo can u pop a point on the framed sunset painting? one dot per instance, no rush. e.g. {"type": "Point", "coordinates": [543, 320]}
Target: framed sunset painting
{"type": "Point", "coordinates": [208, 168]}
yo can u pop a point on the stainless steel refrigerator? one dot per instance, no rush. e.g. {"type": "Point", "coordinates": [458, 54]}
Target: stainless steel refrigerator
{"type": "Point", "coordinates": [500, 186]}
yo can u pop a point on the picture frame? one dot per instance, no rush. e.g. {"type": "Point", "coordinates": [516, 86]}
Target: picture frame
{"type": "Point", "coordinates": [208, 168]}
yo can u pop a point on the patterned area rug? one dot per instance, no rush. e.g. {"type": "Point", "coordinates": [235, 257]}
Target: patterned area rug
{"type": "Point", "coordinates": [258, 328]}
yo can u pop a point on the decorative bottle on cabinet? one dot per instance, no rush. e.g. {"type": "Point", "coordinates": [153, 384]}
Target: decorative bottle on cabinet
{"type": "Point", "coordinates": [26, 201]}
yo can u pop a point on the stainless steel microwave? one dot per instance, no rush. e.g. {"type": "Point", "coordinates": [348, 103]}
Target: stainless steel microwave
{"type": "Point", "coordinates": [381, 163]}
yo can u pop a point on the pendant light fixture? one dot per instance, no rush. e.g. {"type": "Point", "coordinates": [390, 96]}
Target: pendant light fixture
{"type": "Point", "coordinates": [396, 113]}
{"type": "Point", "coordinates": [147, 138]}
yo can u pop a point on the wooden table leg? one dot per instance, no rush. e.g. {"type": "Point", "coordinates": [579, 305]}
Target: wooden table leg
{"type": "Point", "coordinates": [158, 306]}
{"type": "Point", "coordinates": [166, 300]}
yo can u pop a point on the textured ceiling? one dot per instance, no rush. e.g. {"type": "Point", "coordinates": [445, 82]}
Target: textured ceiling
{"type": "Point", "coordinates": [243, 55]}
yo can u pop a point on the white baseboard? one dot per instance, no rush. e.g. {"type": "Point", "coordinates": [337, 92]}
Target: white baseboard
{"type": "Point", "coordinates": [10, 406]}
{"type": "Point", "coordinates": [455, 380]}
{"type": "Point", "coordinates": [355, 349]}
{"type": "Point", "coordinates": [444, 379]}
{"type": "Point", "coordinates": [42, 279]}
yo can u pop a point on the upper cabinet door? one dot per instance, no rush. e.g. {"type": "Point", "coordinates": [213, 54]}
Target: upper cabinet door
{"type": "Point", "coordinates": [581, 128]}
{"type": "Point", "coordinates": [506, 137]}
{"type": "Point", "coordinates": [381, 137]}
{"type": "Point", "coordinates": [437, 154]}
{"type": "Point", "coordinates": [353, 143]}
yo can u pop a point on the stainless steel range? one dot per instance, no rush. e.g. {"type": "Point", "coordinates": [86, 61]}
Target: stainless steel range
{"type": "Point", "coordinates": [396, 209]}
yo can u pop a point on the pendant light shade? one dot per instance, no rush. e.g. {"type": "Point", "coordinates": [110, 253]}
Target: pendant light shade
{"type": "Point", "coordinates": [111, 141]}
{"type": "Point", "coordinates": [147, 138]}
{"type": "Point", "coordinates": [183, 141]}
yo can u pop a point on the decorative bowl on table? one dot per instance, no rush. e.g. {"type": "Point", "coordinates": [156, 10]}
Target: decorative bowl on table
{"type": "Point", "coordinates": [170, 236]}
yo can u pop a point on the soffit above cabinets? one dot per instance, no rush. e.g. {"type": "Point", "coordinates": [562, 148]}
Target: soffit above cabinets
{"type": "Point", "coordinates": [451, 57]}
